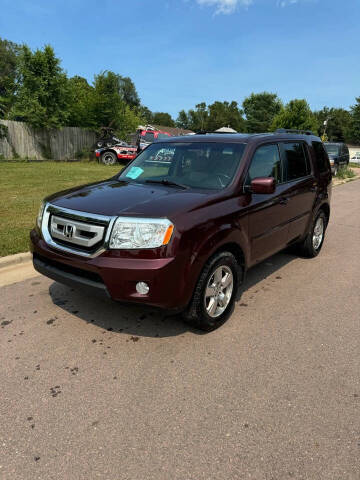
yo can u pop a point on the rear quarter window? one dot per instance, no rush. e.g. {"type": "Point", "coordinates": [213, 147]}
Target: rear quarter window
{"type": "Point", "coordinates": [295, 160]}
{"type": "Point", "coordinates": [322, 160]}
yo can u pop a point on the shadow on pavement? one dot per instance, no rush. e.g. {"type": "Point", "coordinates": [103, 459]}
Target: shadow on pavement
{"type": "Point", "coordinates": [142, 321]}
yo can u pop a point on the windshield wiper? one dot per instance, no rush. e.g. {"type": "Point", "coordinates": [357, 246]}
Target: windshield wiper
{"type": "Point", "coordinates": [166, 182]}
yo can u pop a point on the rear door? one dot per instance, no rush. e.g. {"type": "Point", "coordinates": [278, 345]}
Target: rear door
{"type": "Point", "coordinates": [300, 186]}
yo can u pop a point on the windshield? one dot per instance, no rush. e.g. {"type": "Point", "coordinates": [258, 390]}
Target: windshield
{"type": "Point", "coordinates": [193, 165]}
{"type": "Point", "coordinates": [332, 149]}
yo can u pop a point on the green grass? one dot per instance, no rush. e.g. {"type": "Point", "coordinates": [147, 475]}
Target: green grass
{"type": "Point", "coordinates": [345, 172]}
{"type": "Point", "coordinates": [24, 185]}
{"type": "Point", "coordinates": [352, 164]}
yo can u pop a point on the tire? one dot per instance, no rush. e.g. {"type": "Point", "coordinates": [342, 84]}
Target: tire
{"type": "Point", "coordinates": [108, 158]}
{"type": "Point", "coordinates": [314, 240]}
{"type": "Point", "coordinates": [208, 312]}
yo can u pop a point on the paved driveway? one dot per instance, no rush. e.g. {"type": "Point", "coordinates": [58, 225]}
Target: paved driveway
{"type": "Point", "coordinates": [90, 389]}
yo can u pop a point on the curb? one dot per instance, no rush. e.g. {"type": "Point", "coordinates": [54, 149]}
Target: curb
{"type": "Point", "coordinates": [18, 258]}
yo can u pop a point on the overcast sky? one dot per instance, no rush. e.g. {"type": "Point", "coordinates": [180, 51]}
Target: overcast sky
{"type": "Point", "coordinates": [183, 52]}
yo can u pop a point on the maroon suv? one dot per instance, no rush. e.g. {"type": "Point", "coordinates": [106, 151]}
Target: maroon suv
{"type": "Point", "coordinates": [180, 225]}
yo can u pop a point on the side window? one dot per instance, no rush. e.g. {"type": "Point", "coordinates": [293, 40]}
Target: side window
{"type": "Point", "coordinates": [149, 137]}
{"type": "Point", "coordinates": [296, 163]}
{"type": "Point", "coordinates": [321, 157]}
{"type": "Point", "coordinates": [265, 163]}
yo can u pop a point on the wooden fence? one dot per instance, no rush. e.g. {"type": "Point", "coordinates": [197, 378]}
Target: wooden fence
{"type": "Point", "coordinates": [23, 142]}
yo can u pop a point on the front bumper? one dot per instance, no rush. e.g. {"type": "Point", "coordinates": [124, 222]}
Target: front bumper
{"type": "Point", "coordinates": [108, 275]}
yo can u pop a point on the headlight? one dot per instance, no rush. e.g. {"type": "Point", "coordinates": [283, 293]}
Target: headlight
{"type": "Point", "coordinates": [40, 215]}
{"type": "Point", "coordinates": [129, 232]}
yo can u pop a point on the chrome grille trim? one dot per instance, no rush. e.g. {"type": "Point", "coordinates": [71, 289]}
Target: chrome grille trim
{"type": "Point", "coordinates": [78, 218]}
{"type": "Point", "coordinates": [79, 233]}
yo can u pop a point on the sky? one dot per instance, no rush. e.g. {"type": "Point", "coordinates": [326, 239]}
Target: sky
{"type": "Point", "coordinates": [183, 52]}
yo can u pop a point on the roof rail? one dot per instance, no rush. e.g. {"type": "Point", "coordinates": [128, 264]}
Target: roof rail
{"type": "Point", "coordinates": [293, 130]}
{"type": "Point", "coordinates": [205, 132]}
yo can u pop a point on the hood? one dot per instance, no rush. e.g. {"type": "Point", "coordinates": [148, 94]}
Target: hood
{"type": "Point", "coordinates": [114, 197]}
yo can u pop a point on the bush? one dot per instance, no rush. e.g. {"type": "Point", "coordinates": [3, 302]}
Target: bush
{"type": "Point", "coordinates": [345, 172]}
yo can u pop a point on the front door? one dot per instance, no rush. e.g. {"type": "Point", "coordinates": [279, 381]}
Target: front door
{"type": "Point", "coordinates": [267, 221]}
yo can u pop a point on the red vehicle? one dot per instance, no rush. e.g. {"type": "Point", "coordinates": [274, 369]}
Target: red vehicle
{"type": "Point", "coordinates": [149, 135]}
{"type": "Point", "coordinates": [179, 226]}
{"type": "Point", "coordinates": [111, 155]}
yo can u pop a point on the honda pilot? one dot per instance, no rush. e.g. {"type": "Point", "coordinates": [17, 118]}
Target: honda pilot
{"type": "Point", "coordinates": [179, 231]}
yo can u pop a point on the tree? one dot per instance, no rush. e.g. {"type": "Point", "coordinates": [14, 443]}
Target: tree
{"type": "Point", "coordinates": [296, 115]}
{"type": "Point", "coordinates": [260, 110]}
{"type": "Point", "coordinates": [108, 106]}
{"type": "Point", "coordinates": [81, 96]}
{"type": "Point", "coordinates": [145, 114]}
{"type": "Point", "coordinates": [9, 52]}
{"type": "Point", "coordinates": [162, 118]}
{"type": "Point", "coordinates": [353, 133]}
{"type": "Point", "coordinates": [43, 96]}
{"type": "Point", "coordinates": [225, 114]}
{"type": "Point", "coordinates": [128, 91]}
{"type": "Point", "coordinates": [338, 123]}
{"type": "Point", "coordinates": [183, 120]}
{"type": "Point", "coordinates": [107, 102]}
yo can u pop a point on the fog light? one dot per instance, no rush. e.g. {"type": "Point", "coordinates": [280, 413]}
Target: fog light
{"type": "Point", "coordinates": [142, 288]}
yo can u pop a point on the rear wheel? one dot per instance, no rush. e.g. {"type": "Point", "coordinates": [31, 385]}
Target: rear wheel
{"type": "Point", "coordinates": [314, 240]}
{"type": "Point", "coordinates": [108, 158]}
{"type": "Point", "coordinates": [215, 292]}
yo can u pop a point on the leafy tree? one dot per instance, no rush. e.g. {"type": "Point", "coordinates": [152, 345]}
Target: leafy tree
{"type": "Point", "coordinates": [225, 114]}
{"type": "Point", "coordinates": [162, 118]}
{"type": "Point", "coordinates": [260, 110]}
{"type": "Point", "coordinates": [108, 106]}
{"type": "Point", "coordinates": [212, 117]}
{"type": "Point", "coordinates": [9, 52]}
{"type": "Point", "coordinates": [338, 123]}
{"type": "Point", "coordinates": [183, 120]}
{"type": "Point", "coordinates": [353, 133]}
{"type": "Point", "coordinates": [107, 102]}
{"type": "Point", "coordinates": [128, 122]}
{"type": "Point", "coordinates": [128, 91]}
{"type": "Point", "coordinates": [43, 97]}
{"type": "Point", "coordinates": [81, 97]}
{"type": "Point", "coordinates": [296, 115]}
{"type": "Point", "coordinates": [145, 114]}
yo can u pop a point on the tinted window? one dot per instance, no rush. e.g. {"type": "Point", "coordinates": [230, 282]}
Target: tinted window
{"type": "Point", "coordinates": [149, 137]}
{"type": "Point", "coordinates": [196, 165]}
{"type": "Point", "coordinates": [321, 157]}
{"type": "Point", "coordinates": [265, 163]}
{"type": "Point", "coordinates": [295, 161]}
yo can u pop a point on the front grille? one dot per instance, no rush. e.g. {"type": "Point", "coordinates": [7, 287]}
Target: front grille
{"type": "Point", "coordinates": [76, 232]}
{"type": "Point", "coordinates": [80, 235]}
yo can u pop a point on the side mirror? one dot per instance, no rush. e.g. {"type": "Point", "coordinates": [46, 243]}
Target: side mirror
{"type": "Point", "coordinates": [263, 185]}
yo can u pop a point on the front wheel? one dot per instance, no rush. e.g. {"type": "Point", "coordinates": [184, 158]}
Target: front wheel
{"type": "Point", "coordinates": [108, 158]}
{"type": "Point", "coordinates": [215, 292]}
{"type": "Point", "coordinates": [314, 240]}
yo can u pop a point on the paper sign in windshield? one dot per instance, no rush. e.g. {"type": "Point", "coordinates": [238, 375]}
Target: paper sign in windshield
{"type": "Point", "coordinates": [134, 172]}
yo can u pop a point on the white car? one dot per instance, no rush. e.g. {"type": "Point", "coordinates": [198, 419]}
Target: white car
{"type": "Point", "coordinates": [356, 158]}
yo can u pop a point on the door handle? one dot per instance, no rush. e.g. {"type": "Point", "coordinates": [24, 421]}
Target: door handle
{"type": "Point", "coordinates": [283, 200]}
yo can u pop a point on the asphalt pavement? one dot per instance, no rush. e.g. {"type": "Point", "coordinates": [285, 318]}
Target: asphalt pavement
{"type": "Point", "coordinates": [92, 389]}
